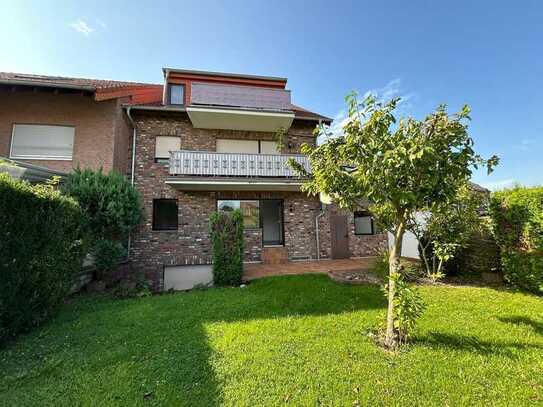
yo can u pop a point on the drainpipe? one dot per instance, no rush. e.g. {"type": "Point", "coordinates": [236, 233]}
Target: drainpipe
{"type": "Point", "coordinates": [133, 164]}
{"type": "Point", "coordinates": [317, 218]}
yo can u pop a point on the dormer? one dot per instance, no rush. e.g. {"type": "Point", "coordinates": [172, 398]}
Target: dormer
{"type": "Point", "coordinates": [215, 100]}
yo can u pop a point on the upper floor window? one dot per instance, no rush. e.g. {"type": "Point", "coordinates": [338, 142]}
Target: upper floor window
{"type": "Point", "coordinates": [163, 146]}
{"type": "Point", "coordinates": [176, 94]}
{"type": "Point", "coordinates": [363, 223]}
{"type": "Point", "coordinates": [246, 146]}
{"type": "Point", "coordinates": [42, 142]}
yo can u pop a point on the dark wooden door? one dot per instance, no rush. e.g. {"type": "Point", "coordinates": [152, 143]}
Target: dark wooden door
{"type": "Point", "coordinates": [340, 237]}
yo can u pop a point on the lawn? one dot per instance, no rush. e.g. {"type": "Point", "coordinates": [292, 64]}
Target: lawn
{"type": "Point", "coordinates": [300, 340]}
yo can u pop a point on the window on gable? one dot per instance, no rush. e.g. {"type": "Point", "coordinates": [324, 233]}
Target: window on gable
{"type": "Point", "coordinates": [363, 223]}
{"type": "Point", "coordinates": [165, 214]}
{"type": "Point", "coordinates": [32, 141]}
{"type": "Point", "coordinates": [163, 146]}
{"type": "Point", "coordinates": [176, 94]}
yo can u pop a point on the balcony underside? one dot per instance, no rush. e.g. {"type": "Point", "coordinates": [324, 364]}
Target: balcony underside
{"type": "Point", "coordinates": [233, 184]}
{"type": "Point", "coordinates": [239, 119]}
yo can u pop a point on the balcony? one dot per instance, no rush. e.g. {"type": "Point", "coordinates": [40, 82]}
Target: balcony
{"type": "Point", "coordinates": [209, 171]}
{"type": "Point", "coordinates": [233, 107]}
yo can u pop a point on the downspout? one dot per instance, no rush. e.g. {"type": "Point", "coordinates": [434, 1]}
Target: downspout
{"type": "Point", "coordinates": [317, 218]}
{"type": "Point", "coordinates": [132, 175]}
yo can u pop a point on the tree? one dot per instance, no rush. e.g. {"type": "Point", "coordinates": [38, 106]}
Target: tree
{"type": "Point", "coordinates": [112, 209]}
{"type": "Point", "coordinates": [401, 167]}
{"type": "Point", "coordinates": [446, 229]}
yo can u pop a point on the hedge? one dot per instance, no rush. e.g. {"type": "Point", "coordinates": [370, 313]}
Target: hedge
{"type": "Point", "coordinates": [518, 223]}
{"type": "Point", "coordinates": [226, 230]}
{"type": "Point", "coordinates": [40, 252]}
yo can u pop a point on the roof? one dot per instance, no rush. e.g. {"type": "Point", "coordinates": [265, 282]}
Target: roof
{"type": "Point", "coordinates": [223, 74]}
{"type": "Point", "coordinates": [102, 89]}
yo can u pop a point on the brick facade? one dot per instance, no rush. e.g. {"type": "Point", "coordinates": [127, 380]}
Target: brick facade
{"type": "Point", "coordinates": [101, 129]}
{"type": "Point", "coordinates": [190, 244]}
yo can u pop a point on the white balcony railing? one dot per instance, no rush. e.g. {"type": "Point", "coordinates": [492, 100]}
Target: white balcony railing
{"type": "Point", "coordinates": [233, 164]}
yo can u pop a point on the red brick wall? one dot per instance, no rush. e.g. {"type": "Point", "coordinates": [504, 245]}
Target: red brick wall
{"type": "Point", "coordinates": [101, 134]}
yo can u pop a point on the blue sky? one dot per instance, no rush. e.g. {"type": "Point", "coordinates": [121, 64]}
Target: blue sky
{"type": "Point", "coordinates": [488, 54]}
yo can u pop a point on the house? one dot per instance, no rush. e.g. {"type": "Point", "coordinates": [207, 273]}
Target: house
{"type": "Point", "coordinates": [61, 123]}
{"type": "Point", "coordinates": [209, 145]}
{"type": "Point", "coordinates": [199, 142]}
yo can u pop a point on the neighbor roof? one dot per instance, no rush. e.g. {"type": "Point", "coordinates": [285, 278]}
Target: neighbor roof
{"type": "Point", "coordinates": [103, 89]}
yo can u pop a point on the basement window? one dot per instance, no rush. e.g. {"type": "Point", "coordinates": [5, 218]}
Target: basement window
{"type": "Point", "coordinates": [363, 223]}
{"type": "Point", "coordinates": [176, 94]}
{"type": "Point", "coordinates": [165, 214]}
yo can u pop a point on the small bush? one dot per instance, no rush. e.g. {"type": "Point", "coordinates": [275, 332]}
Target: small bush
{"type": "Point", "coordinates": [40, 252]}
{"type": "Point", "coordinates": [518, 227]}
{"type": "Point", "coordinates": [112, 208]}
{"type": "Point", "coordinates": [226, 230]}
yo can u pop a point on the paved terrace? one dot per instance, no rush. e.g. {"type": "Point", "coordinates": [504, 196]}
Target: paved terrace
{"type": "Point", "coordinates": [333, 267]}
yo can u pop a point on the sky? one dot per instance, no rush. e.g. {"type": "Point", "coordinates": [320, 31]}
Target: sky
{"type": "Point", "coordinates": [488, 54]}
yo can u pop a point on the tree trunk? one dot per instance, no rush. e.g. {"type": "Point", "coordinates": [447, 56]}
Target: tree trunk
{"type": "Point", "coordinates": [391, 338]}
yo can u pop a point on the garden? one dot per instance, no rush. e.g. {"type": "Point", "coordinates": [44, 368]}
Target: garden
{"type": "Point", "coordinates": [416, 339]}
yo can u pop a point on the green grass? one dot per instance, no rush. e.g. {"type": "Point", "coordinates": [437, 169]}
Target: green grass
{"type": "Point", "coordinates": [300, 340]}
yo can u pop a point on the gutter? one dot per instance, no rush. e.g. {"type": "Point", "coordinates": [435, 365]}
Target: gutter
{"type": "Point", "coordinates": [46, 85]}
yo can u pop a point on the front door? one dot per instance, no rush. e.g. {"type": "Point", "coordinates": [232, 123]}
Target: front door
{"type": "Point", "coordinates": [271, 211]}
{"type": "Point", "coordinates": [339, 236]}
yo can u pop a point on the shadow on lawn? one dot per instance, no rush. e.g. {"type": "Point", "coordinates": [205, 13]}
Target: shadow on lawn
{"type": "Point", "coordinates": [521, 320]}
{"type": "Point", "coordinates": [473, 344]}
{"type": "Point", "coordinates": [156, 350]}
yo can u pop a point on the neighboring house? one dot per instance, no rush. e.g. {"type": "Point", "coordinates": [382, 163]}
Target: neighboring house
{"type": "Point", "coordinates": [201, 142]}
{"type": "Point", "coordinates": [209, 144]}
{"type": "Point", "coordinates": [62, 123]}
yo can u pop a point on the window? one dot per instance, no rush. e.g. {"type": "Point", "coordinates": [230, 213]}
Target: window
{"type": "Point", "coordinates": [163, 146]}
{"type": "Point", "coordinates": [176, 94]}
{"type": "Point", "coordinates": [164, 214]}
{"type": "Point", "coordinates": [250, 210]}
{"type": "Point", "coordinates": [237, 146]}
{"type": "Point", "coordinates": [268, 147]}
{"type": "Point", "coordinates": [363, 223]}
{"type": "Point", "coordinates": [32, 141]}
{"type": "Point", "coordinates": [246, 146]}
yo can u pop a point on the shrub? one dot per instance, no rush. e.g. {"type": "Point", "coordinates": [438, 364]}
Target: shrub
{"type": "Point", "coordinates": [518, 226]}
{"type": "Point", "coordinates": [40, 252]}
{"type": "Point", "coordinates": [226, 230]}
{"type": "Point", "coordinates": [112, 208]}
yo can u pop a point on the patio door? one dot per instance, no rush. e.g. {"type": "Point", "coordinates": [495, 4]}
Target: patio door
{"type": "Point", "coordinates": [271, 212]}
{"type": "Point", "coordinates": [340, 237]}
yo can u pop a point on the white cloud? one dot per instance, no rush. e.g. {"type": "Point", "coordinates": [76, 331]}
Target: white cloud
{"type": "Point", "coordinates": [525, 144]}
{"type": "Point", "coordinates": [82, 27]}
{"type": "Point", "coordinates": [102, 24]}
{"type": "Point", "coordinates": [391, 90]}
{"type": "Point", "coordinates": [502, 184]}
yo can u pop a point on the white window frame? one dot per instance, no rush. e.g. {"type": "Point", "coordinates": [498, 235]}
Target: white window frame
{"type": "Point", "coordinates": [36, 156]}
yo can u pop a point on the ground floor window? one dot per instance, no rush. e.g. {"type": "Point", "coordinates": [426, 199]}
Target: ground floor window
{"type": "Point", "coordinates": [165, 214]}
{"type": "Point", "coordinates": [250, 210]}
{"type": "Point", "coordinates": [363, 223]}
{"type": "Point", "coordinates": [265, 213]}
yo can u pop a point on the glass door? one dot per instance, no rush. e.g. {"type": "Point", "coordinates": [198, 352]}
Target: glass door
{"type": "Point", "coordinates": [271, 212]}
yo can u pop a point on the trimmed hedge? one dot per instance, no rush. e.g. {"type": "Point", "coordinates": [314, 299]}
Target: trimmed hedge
{"type": "Point", "coordinates": [226, 230]}
{"type": "Point", "coordinates": [518, 222]}
{"type": "Point", "coordinates": [40, 252]}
